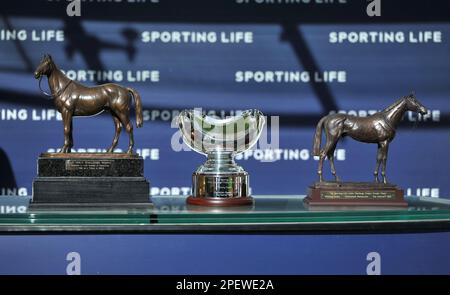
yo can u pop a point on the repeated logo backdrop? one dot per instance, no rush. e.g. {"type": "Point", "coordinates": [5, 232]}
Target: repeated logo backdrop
{"type": "Point", "coordinates": [298, 60]}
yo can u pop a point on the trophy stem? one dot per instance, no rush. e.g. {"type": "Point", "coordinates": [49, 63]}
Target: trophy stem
{"type": "Point", "coordinates": [221, 157]}
{"type": "Point", "coordinates": [219, 161]}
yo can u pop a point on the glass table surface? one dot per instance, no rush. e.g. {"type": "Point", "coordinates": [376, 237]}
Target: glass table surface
{"type": "Point", "coordinates": [268, 213]}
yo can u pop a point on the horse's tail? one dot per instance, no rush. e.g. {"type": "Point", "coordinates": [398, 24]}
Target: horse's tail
{"type": "Point", "coordinates": [138, 103]}
{"type": "Point", "coordinates": [318, 137]}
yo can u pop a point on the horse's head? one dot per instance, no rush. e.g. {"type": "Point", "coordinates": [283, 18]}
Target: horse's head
{"type": "Point", "coordinates": [45, 67]}
{"type": "Point", "coordinates": [413, 105]}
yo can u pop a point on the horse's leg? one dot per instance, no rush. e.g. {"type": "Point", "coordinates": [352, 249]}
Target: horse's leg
{"type": "Point", "coordinates": [125, 120]}
{"type": "Point", "coordinates": [330, 156]}
{"type": "Point", "coordinates": [118, 129]}
{"type": "Point", "coordinates": [385, 148]}
{"type": "Point", "coordinates": [71, 135]}
{"type": "Point", "coordinates": [377, 166]}
{"type": "Point", "coordinates": [129, 128]}
{"type": "Point", "coordinates": [320, 168]}
{"type": "Point", "coordinates": [67, 121]}
{"type": "Point", "coordinates": [323, 154]}
{"type": "Point", "coordinates": [332, 137]}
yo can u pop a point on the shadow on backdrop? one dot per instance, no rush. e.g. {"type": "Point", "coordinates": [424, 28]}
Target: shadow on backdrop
{"type": "Point", "coordinates": [90, 47]}
{"type": "Point", "coordinates": [7, 178]}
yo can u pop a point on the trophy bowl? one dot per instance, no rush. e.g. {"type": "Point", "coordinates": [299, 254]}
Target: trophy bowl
{"type": "Point", "coordinates": [220, 181]}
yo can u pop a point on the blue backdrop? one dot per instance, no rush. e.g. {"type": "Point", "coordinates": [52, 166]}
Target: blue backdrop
{"type": "Point", "coordinates": [258, 255]}
{"type": "Point", "coordinates": [220, 55]}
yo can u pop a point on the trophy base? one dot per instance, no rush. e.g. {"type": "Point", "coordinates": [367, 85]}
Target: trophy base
{"type": "Point", "coordinates": [222, 189]}
{"type": "Point", "coordinates": [219, 202]}
{"type": "Point", "coordinates": [90, 179]}
{"type": "Point", "coordinates": [365, 194]}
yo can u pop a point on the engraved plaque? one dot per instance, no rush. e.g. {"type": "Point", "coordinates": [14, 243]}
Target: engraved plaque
{"type": "Point", "coordinates": [85, 165]}
{"type": "Point", "coordinates": [357, 195]}
{"type": "Point", "coordinates": [88, 164]}
{"type": "Point", "coordinates": [223, 187]}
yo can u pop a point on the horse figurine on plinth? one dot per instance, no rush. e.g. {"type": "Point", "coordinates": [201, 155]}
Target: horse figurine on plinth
{"type": "Point", "coordinates": [378, 128]}
{"type": "Point", "coordinates": [73, 99]}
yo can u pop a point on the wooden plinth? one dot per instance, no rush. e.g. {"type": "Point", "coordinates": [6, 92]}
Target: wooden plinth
{"type": "Point", "coordinates": [220, 202]}
{"type": "Point", "coordinates": [355, 194]}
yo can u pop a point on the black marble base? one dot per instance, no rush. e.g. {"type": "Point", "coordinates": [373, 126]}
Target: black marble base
{"type": "Point", "coordinates": [90, 190]}
{"type": "Point", "coordinates": [89, 179]}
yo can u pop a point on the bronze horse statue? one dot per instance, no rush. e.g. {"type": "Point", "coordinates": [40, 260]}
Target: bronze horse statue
{"type": "Point", "coordinates": [378, 128]}
{"type": "Point", "coordinates": [73, 99]}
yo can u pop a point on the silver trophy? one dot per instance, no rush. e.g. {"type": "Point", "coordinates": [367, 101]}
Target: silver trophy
{"type": "Point", "coordinates": [220, 181]}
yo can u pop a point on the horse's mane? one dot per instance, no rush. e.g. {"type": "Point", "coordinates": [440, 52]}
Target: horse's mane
{"type": "Point", "coordinates": [397, 102]}
{"type": "Point", "coordinates": [52, 64]}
